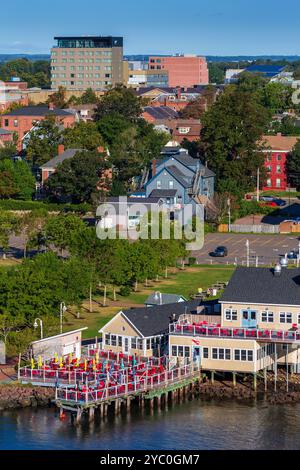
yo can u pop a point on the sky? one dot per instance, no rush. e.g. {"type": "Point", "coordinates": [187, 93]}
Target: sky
{"type": "Point", "coordinates": [206, 27]}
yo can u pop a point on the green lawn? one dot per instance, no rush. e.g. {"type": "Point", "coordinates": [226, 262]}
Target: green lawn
{"type": "Point", "coordinates": [184, 282]}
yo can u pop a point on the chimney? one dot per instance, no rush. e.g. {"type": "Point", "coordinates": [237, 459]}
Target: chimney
{"type": "Point", "coordinates": [178, 93]}
{"type": "Point", "coordinates": [61, 149]}
{"type": "Point", "coordinates": [153, 167]}
{"type": "Point", "coordinates": [51, 106]}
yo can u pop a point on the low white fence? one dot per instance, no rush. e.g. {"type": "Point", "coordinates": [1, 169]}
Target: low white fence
{"type": "Point", "coordinates": [240, 228]}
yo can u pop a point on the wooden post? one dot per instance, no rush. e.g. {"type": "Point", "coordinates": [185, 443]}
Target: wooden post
{"type": "Point", "coordinates": [91, 414]}
{"type": "Point", "coordinates": [78, 415]}
{"type": "Point", "coordinates": [101, 410]}
{"type": "Point", "coordinates": [255, 381]}
{"type": "Point", "coordinates": [159, 401]}
{"type": "Point", "coordinates": [266, 381]}
{"type": "Point", "coordinates": [212, 376]}
{"type": "Point", "coordinates": [234, 378]}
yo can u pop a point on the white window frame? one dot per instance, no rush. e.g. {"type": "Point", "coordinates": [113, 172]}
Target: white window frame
{"type": "Point", "coordinates": [231, 312]}
{"type": "Point", "coordinates": [268, 315]}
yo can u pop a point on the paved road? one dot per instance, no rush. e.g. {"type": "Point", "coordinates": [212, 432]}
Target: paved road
{"type": "Point", "coordinates": [265, 248]}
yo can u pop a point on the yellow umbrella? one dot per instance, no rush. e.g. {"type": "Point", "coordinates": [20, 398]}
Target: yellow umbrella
{"type": "Point", "coordinates": [94, 365]}
{"type": "Point", "coordinates": [77, 362]}
{"type": "Point", "coordinates": [85, 364]}
{"type": "Point", "coordinates": [70, 358]}
{"type": "Point", "coordinates": [40, 362]}
{"type": "Point", "coordinates": [55, 358]}
{"type": "Point", "coordinates": [32, 363]}
{"type": "Point", "coordinates": [97, 357]}
{"type": "Point", "coordinates": [61, 364]}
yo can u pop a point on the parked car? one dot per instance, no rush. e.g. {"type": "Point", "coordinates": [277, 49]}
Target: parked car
{"type": "Point", "coordinates": [293, 254]}
{"type": "Point", "coordinates": [280, 202]}
{"type": "Point", "coordinates": [220, 252]}
{"type": "Point", "coordinates": [268, 204]}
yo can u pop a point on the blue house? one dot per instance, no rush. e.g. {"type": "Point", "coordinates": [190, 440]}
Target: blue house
{"type": "Point", "coordinates": [179, 179]}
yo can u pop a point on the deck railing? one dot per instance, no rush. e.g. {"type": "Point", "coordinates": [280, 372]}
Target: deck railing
{"type": "Point", "coordinates": [290, 336]}
{"type": "Point", "coordinates": [139, 385]}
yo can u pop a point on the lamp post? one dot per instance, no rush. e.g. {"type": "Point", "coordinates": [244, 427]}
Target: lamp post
{"type": "Point", "coordinates": [248, 253]}
{"type": "Point", "coordinates": [35, 325]}
{"type": "Point", "coordinates": [229, 214]}
{"type": "Point", "coordinates": [63, 309]}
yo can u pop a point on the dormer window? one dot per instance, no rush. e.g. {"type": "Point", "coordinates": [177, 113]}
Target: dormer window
{"type": "Point", "coordinates": [184, 130]}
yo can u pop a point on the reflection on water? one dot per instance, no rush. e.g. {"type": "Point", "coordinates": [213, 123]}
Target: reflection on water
{"type": "Point", "coordinates": [195, 425]}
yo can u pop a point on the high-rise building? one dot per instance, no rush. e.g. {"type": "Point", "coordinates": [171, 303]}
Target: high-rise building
{"type": "Point", "coordinates": [183, 70]}
{"type": "Point", "coordinates": [82, 62]}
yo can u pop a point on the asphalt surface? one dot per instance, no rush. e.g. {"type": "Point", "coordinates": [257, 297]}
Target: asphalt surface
{"type": "Point", "coordinates": [263, 249]}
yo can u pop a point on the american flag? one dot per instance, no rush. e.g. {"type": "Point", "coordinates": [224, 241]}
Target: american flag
{"type": "Point", "coordinates": [195, 341]}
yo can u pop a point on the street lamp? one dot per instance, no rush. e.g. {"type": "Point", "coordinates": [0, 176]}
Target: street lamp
{"type": "Point", "coordinates": [35, 325]}
{"type": "Point", "coordinates": [62, 310]}
{"type": "Point", "coordinates": [248, 253]}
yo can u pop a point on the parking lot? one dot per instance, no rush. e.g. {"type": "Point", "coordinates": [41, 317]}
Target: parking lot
{"type": "Point", "coordinates": [263, 249]}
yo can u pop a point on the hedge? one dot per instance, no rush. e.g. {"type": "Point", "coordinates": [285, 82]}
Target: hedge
{"type": "Point", "coordinates": [15, 205]}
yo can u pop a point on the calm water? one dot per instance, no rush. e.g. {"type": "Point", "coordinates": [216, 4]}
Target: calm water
{"type": "Point", "coordinates": [194, 425]}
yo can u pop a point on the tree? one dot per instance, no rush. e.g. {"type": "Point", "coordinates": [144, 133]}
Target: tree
{"type": "Point", "coordinates": [59, 98]}
{"type": "Point", "coordinates": [77, 179]}
{"type": "Point", "coordinates": [83, 136]}
{"type": "Point", "coordinates": [9, 150]}
{"type": "Point", "coordinates": [43, 142]}
{"type": "Point", "coordinates": [216, 73]}
{"type": "Point", "coordinates": [9, 225]}
{"type": "Point", "coordinates": [89, 97]}
{"type": "Point", "coordinates": [293, 166]}
{"type": "Point", "coordinates": [16, 180]}
{"type": "Point", "coordinates": [60, 230]}
{"type": "Point", "coordinates": [230, 136]}
{"type": "Point", "coordinates": [31, 224]}
{"type": "Point", "coordinates": [111, 127]}
{"type": "Point", "coordinates": [119, 100]}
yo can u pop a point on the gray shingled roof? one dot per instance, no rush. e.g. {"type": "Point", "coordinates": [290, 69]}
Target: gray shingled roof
{"type": "Point", "coordinates": [38, 111]}
{"type": "Point", "coordinates": [66, 155]}
{"type": "Point", "coordinates": [181, 177]}
{"type": "Point", "coordinates": [163, 193]}
{"type": "Point", "coordinates": [261, 286]}
{"type": "Point", "coordinates": [152, 321]}
{"type": "Point", "coordinates": [163, 299]}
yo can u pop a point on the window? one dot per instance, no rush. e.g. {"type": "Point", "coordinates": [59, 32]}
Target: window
{"type": "Point", "coordinates": [298, 318]}
{"type": "Point", "coordinates": [140, 343]}
{"type": "Point", "coordinates": [133, 343]}
{"type": "Point", "coordinates": [107, 340]}
{"type": "Point", "coordinates": [180, 351]}
{"type": "Point", "coordinates": [269, 183]}
{"type": "Point", "coordinates": [148, 343]}
{"type": "Point", "coordinates": [174, 350]}
{"type": "Point", "coordinates": [278, 169]}
{"type": "Point", "coordinates": [221, 354]}
{"type": "Point", "coordinates": [205, 353]}
{"type": "Point", "coordinates": [187, 351]}
{"type": "Point", "coordinates": [184, 130]}
{"type": "Point", "coordinates": [278, 158]}
{"type": "Point", "coordinates": [243, 355]}
{"type": "Point", "coordinates": [171, 184]}
{"type": "Point", "coordinates": [286, 317]}
{"type": "Point", "coordinates": [230, 314]}
{"type": "Point", "coordinates": [113, 340]}
{"type": "Point", "coordinates": [6, 123]}
{"type": "Point", "coordinates": [158, 184]}
{"type": "Point", "coordinates": [278, 182]}
{"type": "Point", "coordinates": [267, 317]}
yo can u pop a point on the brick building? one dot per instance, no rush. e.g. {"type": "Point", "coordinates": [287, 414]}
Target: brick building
{"type": "Point", "coordinates": [277, 147]}
{"type": "Point", "coordinates": [183, 70]}
{"type": "Point", "coordinates": [22, 120]}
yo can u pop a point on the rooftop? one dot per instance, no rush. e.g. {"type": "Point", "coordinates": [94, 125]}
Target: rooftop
{"type": "Point", "coordinates": [267, 71]}
{"type": "Point", "coordinates": [66, 155]}
{"type": "Point", "coordinates": [38, 111]}
{"type": "Point", "coordinates": [280, 142]}
{"type": "Point", "coordinates": [161, 112]}
{"type": "Point", "coordinates": [261, 286]}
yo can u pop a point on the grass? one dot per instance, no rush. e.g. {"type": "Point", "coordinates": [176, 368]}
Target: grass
{"type": "Point", "coordinates": [183, 282]}
{"type": "Point", "coordinates": [5, 263]}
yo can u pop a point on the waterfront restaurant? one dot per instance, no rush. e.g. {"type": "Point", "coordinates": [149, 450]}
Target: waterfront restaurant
{"type": "Point", "coordinates": [145, 331]}
{"type": "Point", "coordinates": [259, 326]}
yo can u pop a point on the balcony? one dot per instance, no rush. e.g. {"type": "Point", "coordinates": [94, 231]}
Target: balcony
{"type": "Point", "coordinates": [212, 331]}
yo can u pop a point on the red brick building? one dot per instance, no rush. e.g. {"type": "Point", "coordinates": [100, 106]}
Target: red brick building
{"type": "Point", "coordinates": [277, 147]}
{"type": "Point", "coordinates": [184, 70]}
{"type": "Point", "coordinates": [22, 120]}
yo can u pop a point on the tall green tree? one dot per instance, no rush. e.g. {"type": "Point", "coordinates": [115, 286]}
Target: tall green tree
{"type": "Point", "coordinates": [293, 166]}
{"type": "Point", "coordinates": [119, 100]}
{"type": "Point", "coordinates": [83, 136]}
{"type": "Point", "coordinates": [42, 143]}
{"type": "Point", "coordinates": [9, 225]}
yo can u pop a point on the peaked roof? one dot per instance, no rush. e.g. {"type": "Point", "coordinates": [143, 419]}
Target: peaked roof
{"type": "Point", "coordinates": [38, 111]}
{"type": "Point", "coordinates": [163, 299]}
{"type": "Point", "coordinates": [161, 112]}
{"type": "Point", "coordinates": [66, 155]}
{"type": "Point", "coordinates": [155, 320]}
{"type": "Point", "coordinates": [163, 193]}
{"type": "Point", "coordinates": [261, 286]}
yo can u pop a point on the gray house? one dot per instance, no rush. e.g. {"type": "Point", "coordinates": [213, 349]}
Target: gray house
{"type": "Point", "coordinates": [179, 179]}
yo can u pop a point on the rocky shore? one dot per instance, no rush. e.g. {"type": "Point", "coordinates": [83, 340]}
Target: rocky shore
{"type": "Point", "coordinates": [14, 396]}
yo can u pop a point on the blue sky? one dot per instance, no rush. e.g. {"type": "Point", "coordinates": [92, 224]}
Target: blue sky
{"type": "Point", "coordinates": [212, 27]}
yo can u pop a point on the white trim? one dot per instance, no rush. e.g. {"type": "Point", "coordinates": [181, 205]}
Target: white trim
{"type": "Point", "coordinates": [60, 336]}
{"type": "Point", "coordinates": [127, 319]}
{"type": "Point", "coordinates": [265, 305]}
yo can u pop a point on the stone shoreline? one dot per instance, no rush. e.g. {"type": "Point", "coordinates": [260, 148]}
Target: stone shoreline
{"type": "Point", "coordinates": [14, 396]}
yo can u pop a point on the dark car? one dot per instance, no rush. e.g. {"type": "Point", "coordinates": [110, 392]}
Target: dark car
{"type": "Point", "coordinates": [279, 202]}
{"type": "Point", "coordinates": [220, 252]}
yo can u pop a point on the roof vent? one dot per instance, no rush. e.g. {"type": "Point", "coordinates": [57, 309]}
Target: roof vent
{"type": "Point", "coordinates": [277, 270]}
{"type": "Point", "coordinates": [158, 297]}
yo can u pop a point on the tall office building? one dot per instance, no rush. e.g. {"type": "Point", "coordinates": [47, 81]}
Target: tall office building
{"type": "Point", "coordinates": [82, 62]}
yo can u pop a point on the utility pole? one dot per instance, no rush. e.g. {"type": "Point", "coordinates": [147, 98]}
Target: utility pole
{"type": "Point", "coordinates": [229, 215]}
{"type": "Point", "coordinates": [248, 253]}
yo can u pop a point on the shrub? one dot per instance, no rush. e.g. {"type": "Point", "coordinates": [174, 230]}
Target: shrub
{"type": "Point", "coordinates": [125, 291]}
